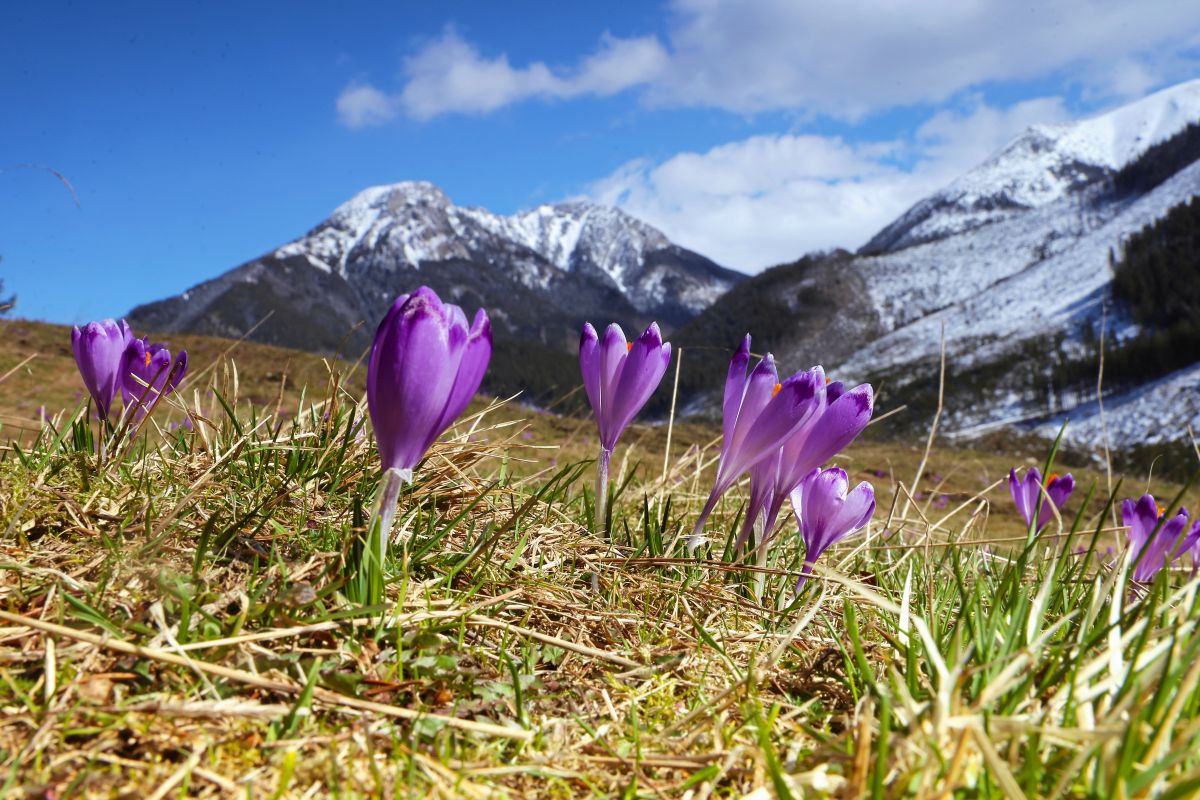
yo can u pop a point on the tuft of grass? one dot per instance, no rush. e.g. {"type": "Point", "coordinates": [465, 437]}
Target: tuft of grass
{"type": "Point", "coordinates": [196, 615]}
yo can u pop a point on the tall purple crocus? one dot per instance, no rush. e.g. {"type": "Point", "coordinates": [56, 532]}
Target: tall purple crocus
{"type": "Point", "coordinates": [759, 416]}
{"type": "Point", "coordinates": [1027, 495]}
{"type": "Point", "coordinates": [838, 420]}
{"type": "Point", "coordinates": [827, 511]}
{"type": "Point", "coordinates": [619, 377]}
{"type": "Point", "coordinates": [1143, 516]}
{"type": "Point", "coordinates": [147, 371]}
{"type": "Point", "coordinates": [99, 348]}
{"type": "Point", "coordinates": [426, 364]}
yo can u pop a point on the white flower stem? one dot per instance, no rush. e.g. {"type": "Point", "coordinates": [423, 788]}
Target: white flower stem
{"type": "Point", "coordinates": [385, 512]}
{"type": "Point", "coordinates": [760, 577]}
{"type": "Point", "coordinates": [598, 525]}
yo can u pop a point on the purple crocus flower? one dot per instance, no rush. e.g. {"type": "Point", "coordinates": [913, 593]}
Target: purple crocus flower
{"type": "Point", "coordinates": [147, 371]}
{"type": "Point", "coordinates": [426, 365]}
{"type": "Point", "coordinates": [759, 416]}
{"type": "Point", "coordinates": [827, 511]}
{"type": "Point", "coordinates": [1027, 495]}
{"type": "Point", "coordinates": [99, 347]}
{"type": "Point", "coordinates": [619, 377]}
{"type": "Point", "coordinates": [1143, 516]}
{"type": "Point", "coordinates": [1191, 546]}
{"type": "Point", "coordinates": [839, 418]}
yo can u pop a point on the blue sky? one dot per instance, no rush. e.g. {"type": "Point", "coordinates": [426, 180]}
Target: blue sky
{"type": "Point", "coordinates": [196, 139]}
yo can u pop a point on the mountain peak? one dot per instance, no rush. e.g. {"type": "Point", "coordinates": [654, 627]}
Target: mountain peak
{"type": "Point", "coordinates": [1042, 165]}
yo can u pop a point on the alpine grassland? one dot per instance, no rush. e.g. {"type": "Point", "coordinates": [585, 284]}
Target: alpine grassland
{"type": "Point", "coordinates": [193, 604]}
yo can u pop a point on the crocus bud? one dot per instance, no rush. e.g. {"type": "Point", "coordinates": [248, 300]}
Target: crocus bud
{"type": "Point", "coordinates": [426, 365]}
{"type": "Point", "coordinates": [99, 348]}
{"type": "Point", "coordinates": [1143, 516]}
{"type": "Point", "coordinates": [760, 414]}
{"type": "Point", "coordinates": [147, 371]}
{"type": "Point", "coordinates": [827, 511]}
{"type": "Point", "coordinates": [620, 376]}
{"type": "Point", "coordinates": [1027, 495]}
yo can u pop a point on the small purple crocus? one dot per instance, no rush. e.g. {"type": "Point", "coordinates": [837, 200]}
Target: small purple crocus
{"type": "Point", "coordinates": [759, 416]}
{"type": "Point", "coordinates": [839, 418]}
{"type": "Point", "coordinates": [99, 348]}
{"type": "Point", "coordinates": [147, 371]}
{"type": "Point", "coordinates": [1028, 497]}
{"type": "Point", "coordinates": [1151, 532]}
{"type": "Point", "coordinates": [619, 377]}
{"type": "Point", "coordinates": [426, 364]}
{"type": "Point", "coordinates": [827, 511]}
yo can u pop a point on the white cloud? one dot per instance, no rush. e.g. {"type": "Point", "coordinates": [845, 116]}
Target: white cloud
{"type": "Point", "coordinates": [849, 58]}
{"type": "Point", "coordinates": [450, 75]}
{"type": "Point", "coordinates": [844, 59]}
{"type": "Point", "coordinates": [769, 199]}
{"type": "Point", "coordinates": [359, 106]}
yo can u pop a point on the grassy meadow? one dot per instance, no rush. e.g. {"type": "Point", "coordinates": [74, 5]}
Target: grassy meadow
{"type": "Point", "coordinates": [185, 618]}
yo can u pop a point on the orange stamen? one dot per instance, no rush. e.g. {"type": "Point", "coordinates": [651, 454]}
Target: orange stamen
{"type": "Point", "coordinates": [775, 391]}
{"type": "Point", "coordinates": [828, 380]}
{"type": "Point", "coordinates": [1161, 511]}
{"type": "Point", "coordinates": [147, 359]}
{"type": "Point", "coordinates": [1051, 478]}
{"type": "Point", "coordinates": [628, 346]}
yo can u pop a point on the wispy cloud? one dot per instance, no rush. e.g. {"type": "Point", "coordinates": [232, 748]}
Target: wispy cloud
{"type": "Point", "coordinates": [450, 75]}
{"type": "Point", "coordinates": [359, 106]}
{"type": "Point", "coordinates": [769, 199]}
{"type": "Point", "coordinates": [843, 60]}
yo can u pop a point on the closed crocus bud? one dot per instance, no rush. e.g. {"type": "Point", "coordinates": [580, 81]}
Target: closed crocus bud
{"type": "Point", "coordinates": [1028, 498]}
{"type": "Point", "coordinates": [99, 348]}
{"type": "Point", "coordinates": [760, 414]}
{"type": "Point", "coordinates": [147, 370]}
{"type": "Point", "coordinates": [1149, 531]}
{"type": "Point", "coordinates": [426, 365]}
{"type": "Point", "coordinates": [620, 376]}
{"type": "Point", "coordinates": [827, 511]}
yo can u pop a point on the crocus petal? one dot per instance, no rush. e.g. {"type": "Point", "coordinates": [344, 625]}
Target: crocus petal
{"type": "Point", "coordinates": [735, 389]}
{"type": "Point", "coordinates": [644, 367]}
{"type": "Point", "coordinates": [613, 350]}
{"type": "Point", "coordinates": [840, 424]}
{"type": "Point", "coordinates": [1018, 496]}
{"type": "Point", "coordinates": [1060, 489]}
{"type": "Point", "coordinates": [1158, 551]}
{"type": "Point", "coordinates": [475, 358]}
{"type": "Point", "coordinates": [779, 418]}
{"type": "Point", "coordinates": [589, 366]}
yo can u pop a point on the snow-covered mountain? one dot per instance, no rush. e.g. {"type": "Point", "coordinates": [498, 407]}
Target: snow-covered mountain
{"type": "Point", "coordinates": [1012, 262]}
{"type": "Point", "coordinates": [540, 273]}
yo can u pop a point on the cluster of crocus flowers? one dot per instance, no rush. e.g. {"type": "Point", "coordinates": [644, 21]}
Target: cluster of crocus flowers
{"type": "Point", "coordinates": [1030, 495]}
{"type": "Point", "coordinates": [426, 364]}
{"type": "Point", "coordinates": [840, 416]}
{"type": "Point", "coordinates": [759, 415]}
{"type": "Point", "coordinates": [113, 361]}
{"type": "Point", "coordinates": [827, 510]}
{"type": "Point", "coordinates": [619, 377]}
{"type": "Point", "coordinates": [1155, 540]}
